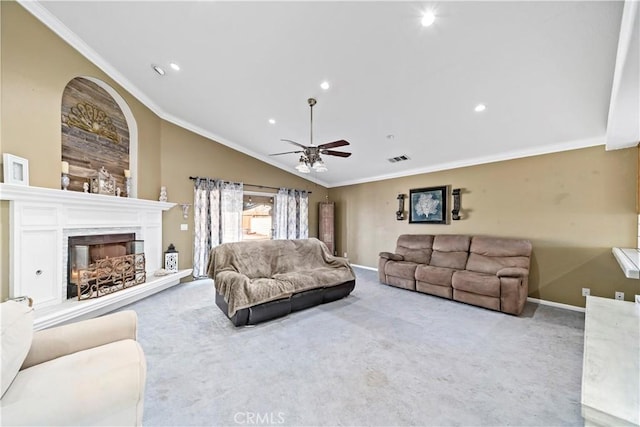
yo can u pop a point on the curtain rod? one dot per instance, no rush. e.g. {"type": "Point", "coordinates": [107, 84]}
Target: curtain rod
{"type": "Point", "coordinates": [193, 178]}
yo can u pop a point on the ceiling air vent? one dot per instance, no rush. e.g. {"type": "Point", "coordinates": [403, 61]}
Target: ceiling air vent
{"type": "Point", "coordinates": [398, 159]}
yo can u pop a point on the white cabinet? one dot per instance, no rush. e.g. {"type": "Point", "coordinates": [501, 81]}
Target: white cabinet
{"type": "Point", "coordinates": [39, 267]}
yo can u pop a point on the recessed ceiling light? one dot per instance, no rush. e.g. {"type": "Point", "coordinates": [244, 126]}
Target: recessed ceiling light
{"type": "Point", "coordinates": [157, 69]}
{"type": "Point", "coordinates": [175, 66]}
{"type": "Point", "coordinates": [324, 85]}
{"type": "Point", "coordinates": [428, 18]}
{"type": "Point", "coordinates": [480, 107]}
{"type": "Point", "coordinates": [272, 121]}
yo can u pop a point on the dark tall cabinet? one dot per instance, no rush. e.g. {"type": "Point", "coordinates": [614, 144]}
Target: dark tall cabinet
{"type": "Point", "coordinates": [326, 227]}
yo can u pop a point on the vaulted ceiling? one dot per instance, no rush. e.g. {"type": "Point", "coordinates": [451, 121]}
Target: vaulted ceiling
{"type": "Point", "coordinates": [547, 72]}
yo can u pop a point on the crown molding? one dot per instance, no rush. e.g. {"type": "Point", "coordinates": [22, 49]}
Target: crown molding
{"type": "Point", "coordinates": [516, 154]}
{"type": "Point", "coordinates": [42, 14]}
{"type": "Point", "coordinates": [217, 138]}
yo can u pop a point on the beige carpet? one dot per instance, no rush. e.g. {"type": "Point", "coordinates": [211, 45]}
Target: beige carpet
{"type": "Point", "coordinates": [382, 356]}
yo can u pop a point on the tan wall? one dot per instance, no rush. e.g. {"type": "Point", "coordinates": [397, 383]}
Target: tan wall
{"type": "Point", "coordinates": [574, 206]}
{"type": "Point", "coordinates": [186, 154]}
{"type": "Point", "coordinates": [37, 65]}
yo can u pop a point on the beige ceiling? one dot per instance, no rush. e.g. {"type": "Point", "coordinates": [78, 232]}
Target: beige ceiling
{"type": "Point", "coordinates": [544, 69]}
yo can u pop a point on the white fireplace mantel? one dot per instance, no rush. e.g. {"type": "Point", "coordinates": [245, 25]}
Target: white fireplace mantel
{"type": "Point", "coordinates": [40, 194]}
{"type": "Point", "coordinates": [42, 219]}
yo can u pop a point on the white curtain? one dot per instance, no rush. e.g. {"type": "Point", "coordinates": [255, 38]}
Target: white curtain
{"type": "Point", "coordinates": [231, 212]}
{"type": "Point", "coordinates": [291, 214]}
{"type": "Point", "coordinates": [217, 216]}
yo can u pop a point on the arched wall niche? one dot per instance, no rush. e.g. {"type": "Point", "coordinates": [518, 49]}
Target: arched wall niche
{"type": "Point", "coordinates": [98, 130]}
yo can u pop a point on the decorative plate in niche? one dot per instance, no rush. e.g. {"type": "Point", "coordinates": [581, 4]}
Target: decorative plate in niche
{"type": "Point", "coordinates": [90, 118]}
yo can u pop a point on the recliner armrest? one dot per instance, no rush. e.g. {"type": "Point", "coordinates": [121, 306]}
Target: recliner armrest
{"type": "Point", "coordinates": [392, 257]}
{"type": "Point", "coordinates": [55, 342]}
{"type": "Point", "coordinates": [512, 272]}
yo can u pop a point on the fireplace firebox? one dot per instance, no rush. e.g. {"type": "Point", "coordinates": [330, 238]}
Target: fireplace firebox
{"type": "Point", "coordinates": [102, 264]}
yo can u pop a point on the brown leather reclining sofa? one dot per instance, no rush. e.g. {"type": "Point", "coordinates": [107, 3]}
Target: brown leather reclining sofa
{"type": "Point", "coordinates": [490, 272]}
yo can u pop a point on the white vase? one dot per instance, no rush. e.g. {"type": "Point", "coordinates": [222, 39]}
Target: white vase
{"type": "Point", "coordinates": [163, 194]}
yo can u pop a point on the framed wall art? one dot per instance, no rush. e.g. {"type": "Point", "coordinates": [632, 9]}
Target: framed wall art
{"type": "Point", "coordinates": [16, 169]}
{"type": "Point", "coordinates": [428, 205]}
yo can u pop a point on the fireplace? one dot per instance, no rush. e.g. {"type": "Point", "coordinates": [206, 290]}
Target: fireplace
{"type": "Point", "coordinates": [101, 264]}
{"type": "Point", "coordinates": [41, 222]}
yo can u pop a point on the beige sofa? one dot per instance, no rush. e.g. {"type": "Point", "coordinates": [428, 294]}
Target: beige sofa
{"type": "Point", "coordinates": [490, 272]}
{"type": "Point", "coordinates": [87, 373]}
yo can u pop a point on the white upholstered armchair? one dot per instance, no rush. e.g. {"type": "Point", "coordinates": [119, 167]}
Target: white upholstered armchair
{"type": "Point", "coordinates": [87, 373]}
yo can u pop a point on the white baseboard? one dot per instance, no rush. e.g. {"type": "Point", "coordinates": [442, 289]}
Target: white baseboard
{"type": "Point", "coordinates": [533, 300]}
{"type": "Point", "coordinates": [556, 304]}
{"type": "Point", "coordinates": [364, 267]}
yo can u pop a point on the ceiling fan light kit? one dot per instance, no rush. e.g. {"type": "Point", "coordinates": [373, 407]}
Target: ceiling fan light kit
{"type": "Point", "coordinates": [303, 165]}
{"type": "Point", "coordinates": [310, 157]}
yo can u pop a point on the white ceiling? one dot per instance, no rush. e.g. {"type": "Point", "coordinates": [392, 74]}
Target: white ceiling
{"type": "Point", "coordinates": [545, 70]}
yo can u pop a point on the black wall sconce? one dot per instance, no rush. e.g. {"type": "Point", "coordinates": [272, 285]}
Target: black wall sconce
{"type": "Point", "coordinates": [400, 211]}
{"type": "Point", "coordinates": [455, 213]}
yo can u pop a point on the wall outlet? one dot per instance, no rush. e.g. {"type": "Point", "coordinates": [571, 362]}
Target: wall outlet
{"type": "Point", "coordinates": [345, 255]}
{"type": "Point", "coordinates": [586, 292]}
{"type": "Point", "coordinates": [184, 227]}
{"type": "Point", "coordinates": [620, 296]}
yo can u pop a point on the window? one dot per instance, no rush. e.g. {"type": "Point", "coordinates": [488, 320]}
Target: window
{"type": "Point", "coordinates": [257, 222]}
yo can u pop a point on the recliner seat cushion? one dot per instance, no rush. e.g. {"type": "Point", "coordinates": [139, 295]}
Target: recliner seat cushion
{"type": "Point", "coordinates": [435, 275]}
{"type": "Point", "coordinates": [476, 283]}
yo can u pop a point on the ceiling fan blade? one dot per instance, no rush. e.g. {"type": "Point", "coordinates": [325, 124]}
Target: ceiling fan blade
{"type": "Point", "coordinates": [334, 144]}
{"type": "Point", "coordinates": [286, 152]}
{"type": "Point", "coordinates": [294, 143]}
{"type": "Point", "coordinates": [335, 153]}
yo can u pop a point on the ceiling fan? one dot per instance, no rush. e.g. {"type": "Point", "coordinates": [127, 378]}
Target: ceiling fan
{"type": "Point", "coordinates": [310, 157]}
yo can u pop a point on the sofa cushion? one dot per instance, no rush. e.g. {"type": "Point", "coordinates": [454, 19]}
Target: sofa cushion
{"type": "Point", "coordinates": [100, 386]}
{"type": "Point", "coordinates": [493, 264]}
{"type": "Point", "coordinates": [415, 247]}
{"type": "Point", "coordinates": [403, 269]}
{"type": "Point", "coordinates": [491, 254]}
{"type": "Point", "coordinates": [500, 246]}
{"type": "Point", "coordinates": [476, 283]}
{"type": "Point", "coordinates": [434, 275]}
{"type": "Point", "coordinates": [17, 333]}
{"type": "Point", "coordinates": [451, 243]}
{"type": "Point", "coordinates": [455, 260]}
{"type": "Point", "coordinates": [450, 251]}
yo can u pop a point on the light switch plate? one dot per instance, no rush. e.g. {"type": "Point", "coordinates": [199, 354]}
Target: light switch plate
{"type": "Point", "coordinates": [184, 227]}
